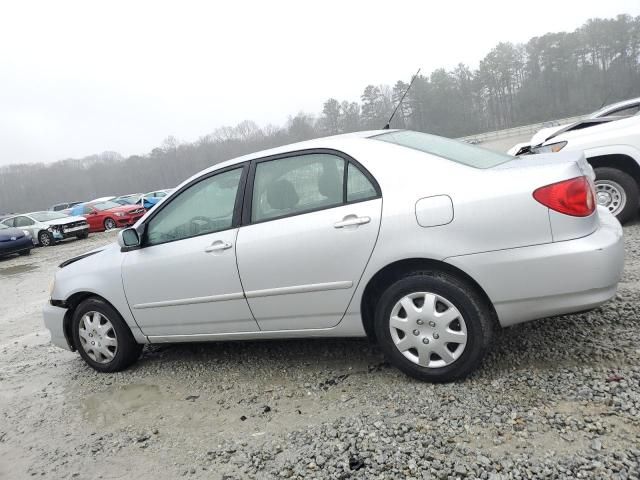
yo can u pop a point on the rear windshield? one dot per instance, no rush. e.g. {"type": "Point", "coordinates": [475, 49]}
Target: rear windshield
{"type": "Point", "coordinates": [446, 148]}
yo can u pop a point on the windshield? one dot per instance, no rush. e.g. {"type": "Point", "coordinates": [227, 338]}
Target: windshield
{"type": "Point", "coordinates": [46, 216]}
{"type": "Point", "coordinates": [3, 226]}
{"type": "Point", "coordinates": [105, 205]}
{"type": "Point", "coordinates": [454, 150]}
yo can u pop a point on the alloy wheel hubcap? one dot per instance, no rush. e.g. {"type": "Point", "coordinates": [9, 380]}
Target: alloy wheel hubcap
{"type": "Point", "coordinates": [98, 337]}
{"type": "Point", "coordinates": [428, 329]}
{"type": "Point", "coordinates": [610, 195]}
{"type": "Point", "coordinates": [109, 224]}
{"type": "Point", "coordinates": [45, 240]}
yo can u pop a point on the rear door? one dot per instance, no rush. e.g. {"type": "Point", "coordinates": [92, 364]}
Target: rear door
{"type": "Point", "coordinates": [310, 224]}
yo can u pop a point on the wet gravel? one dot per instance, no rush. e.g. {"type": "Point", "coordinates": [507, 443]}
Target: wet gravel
{"type": "Point", "coordinates": [557, 398]}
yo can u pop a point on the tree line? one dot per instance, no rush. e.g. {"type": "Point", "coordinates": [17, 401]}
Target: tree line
{"type": "Point", "coordinates": [552, 76]}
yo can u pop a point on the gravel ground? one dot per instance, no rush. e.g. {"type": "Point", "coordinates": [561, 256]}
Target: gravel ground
{"type": "Point", "coordinates": [557, 398]}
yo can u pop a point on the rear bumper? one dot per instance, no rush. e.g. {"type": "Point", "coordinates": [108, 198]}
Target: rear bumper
{"type": "Point", "coordinates": [54, 322]}
{"type": "Point", "coordinates": [551, 279]}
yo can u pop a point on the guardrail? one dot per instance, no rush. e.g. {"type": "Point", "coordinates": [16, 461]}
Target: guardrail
{"type": "Point", "coordinates": [512, 132]}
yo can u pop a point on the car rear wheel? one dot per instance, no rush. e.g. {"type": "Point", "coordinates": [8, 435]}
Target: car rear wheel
{"type": "Point", "coordinates": [109, 224]}
{"type": "Point", "coordinates": [617, 191]}
{"type": "Point", "coordinates": [45, 239]}
{"type": "Point", "coordinates": [433, 326]}
{"type": "Point", "coordinates": [102, 337]}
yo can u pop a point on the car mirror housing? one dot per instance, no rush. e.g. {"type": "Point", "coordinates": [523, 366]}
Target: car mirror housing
{"type": "Point", "coordinates": [128, 239]}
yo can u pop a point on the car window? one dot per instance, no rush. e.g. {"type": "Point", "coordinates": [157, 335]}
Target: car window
{"type": "Point", "coordinates": [86, 210]}
{"type": "Point", "coordinates": [625, 112]}
{"type": "Point", "coordinates": [205, 207]}
{"type": "Point", "coordinates": [106, 205]}
{"type": "Point", "coordinates": [293, 185]}
{"type": "Point", "coordinates": [23, 221]}
{"type": "Point", "coordinates": [358, 185]}
{"type": "Point", "coordinates": [454, 150]}
{"type": "Point", "coordinates": [9, 222]}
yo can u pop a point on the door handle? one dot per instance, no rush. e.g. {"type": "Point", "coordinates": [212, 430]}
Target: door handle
{"type": "Point", "coordinates": [351, 221]}
{"type": "Point", "coordinates": [218, 246]}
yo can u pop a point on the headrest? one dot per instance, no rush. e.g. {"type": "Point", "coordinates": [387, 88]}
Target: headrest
{"type": "Point", "coordinates": [281, 195]}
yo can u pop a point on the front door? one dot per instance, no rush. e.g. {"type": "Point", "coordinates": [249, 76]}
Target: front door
{"type": "Point", "coordinates": [184, 280]}
{"type": "Point", "coordinates": [308, 239]}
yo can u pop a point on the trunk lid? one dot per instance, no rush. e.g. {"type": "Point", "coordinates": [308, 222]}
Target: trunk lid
{"type": "Point", "coordinates": [549, 168]}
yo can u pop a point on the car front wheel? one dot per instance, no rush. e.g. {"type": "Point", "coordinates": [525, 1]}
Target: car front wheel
{"type": "Point", "coordinates": [433, 326]}
{"type": "Point", "coordinates": [102, 337]}
{"type": "Point", "coordinates": [617, 191]}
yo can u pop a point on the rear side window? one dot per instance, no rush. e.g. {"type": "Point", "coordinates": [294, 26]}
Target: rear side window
{"type": "Point", "coordinates": [23, 222]}
{"type": "Point", "coordinates": [298, 184]}
{"type": "Point", "coordinates": [454, 150]}
{"type": "Point", "coordinates": [358, 185]}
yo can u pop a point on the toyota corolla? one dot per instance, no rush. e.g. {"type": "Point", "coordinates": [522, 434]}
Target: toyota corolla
{"type": "Point", "coordinates": [422, 243]}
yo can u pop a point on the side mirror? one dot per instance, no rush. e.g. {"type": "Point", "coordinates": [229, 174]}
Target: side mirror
{"type": "Point", "coordinates": [128, 238]}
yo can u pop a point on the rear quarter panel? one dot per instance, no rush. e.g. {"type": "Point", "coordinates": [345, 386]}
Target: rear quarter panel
{"type": "Point", "coordinates": [494, 209]}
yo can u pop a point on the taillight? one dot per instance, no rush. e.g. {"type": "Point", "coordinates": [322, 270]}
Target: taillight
{"type": "Point", "coordinates": [573, 197]}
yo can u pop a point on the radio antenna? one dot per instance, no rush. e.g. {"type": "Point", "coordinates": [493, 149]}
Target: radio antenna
{"type": "Point", "coordinates": [388, 125]}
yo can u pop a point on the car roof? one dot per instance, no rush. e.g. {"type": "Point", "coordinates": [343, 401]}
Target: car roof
{"type": "Point", "coordinates": [331, 142]}
{"type": "Point", "coordinates": [623, 103]}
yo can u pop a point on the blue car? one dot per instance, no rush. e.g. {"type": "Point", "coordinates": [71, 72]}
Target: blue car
{"type": "Point", "coordinates": [14, 240]}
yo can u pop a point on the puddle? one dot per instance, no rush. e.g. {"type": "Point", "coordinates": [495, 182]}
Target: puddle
{"type": "Point", "coordinates": [103, 406]}
{"type": "Point", "coordinates": [18, 269]}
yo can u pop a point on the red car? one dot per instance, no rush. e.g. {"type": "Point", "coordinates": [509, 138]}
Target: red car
{"type": "Point", "coordinates": [108, 215]}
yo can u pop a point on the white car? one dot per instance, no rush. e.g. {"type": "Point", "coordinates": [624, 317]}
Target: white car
{"type": "Point", "coordinates": [612, 148]}
{"type": "Point", "coordinates": [626, 108]}
{"type": "Point", "coordinates": [425, 244]}
{"type": "Point", "coordinates": [48, 227]}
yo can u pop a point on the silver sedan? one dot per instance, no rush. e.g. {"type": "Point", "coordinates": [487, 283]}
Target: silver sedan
{"type": "Point", "coordinates": [422, 243]}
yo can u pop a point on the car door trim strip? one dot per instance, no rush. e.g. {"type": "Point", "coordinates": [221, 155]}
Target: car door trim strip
{"type": "Point", "coordinates": [190, 301]}
{"type": "Point", "coordinates": [312, 287]}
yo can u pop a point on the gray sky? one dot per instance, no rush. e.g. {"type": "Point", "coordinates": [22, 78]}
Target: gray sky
{"type": "Point", "coordinates": [78, 78]}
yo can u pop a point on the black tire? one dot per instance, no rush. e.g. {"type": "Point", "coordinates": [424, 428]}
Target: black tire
{"type": "Point", "coordinates": [25, 252]}
{"type": "Point", "coordinates": [109, 224]}
{"type": "Point", "coordinates": [478, 318]}
{"type": "Point", "coordinates": [127, 350]}
{"type": "Point", "coordinates": [45, 239]}
{"type": "Point", "coordinates": [82, 236]}
{"type": "Point", "coordinates": [628, 184]}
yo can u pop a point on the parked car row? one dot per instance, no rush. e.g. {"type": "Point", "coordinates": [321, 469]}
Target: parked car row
{"type": "Point", "coordinates": [72, 219]}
